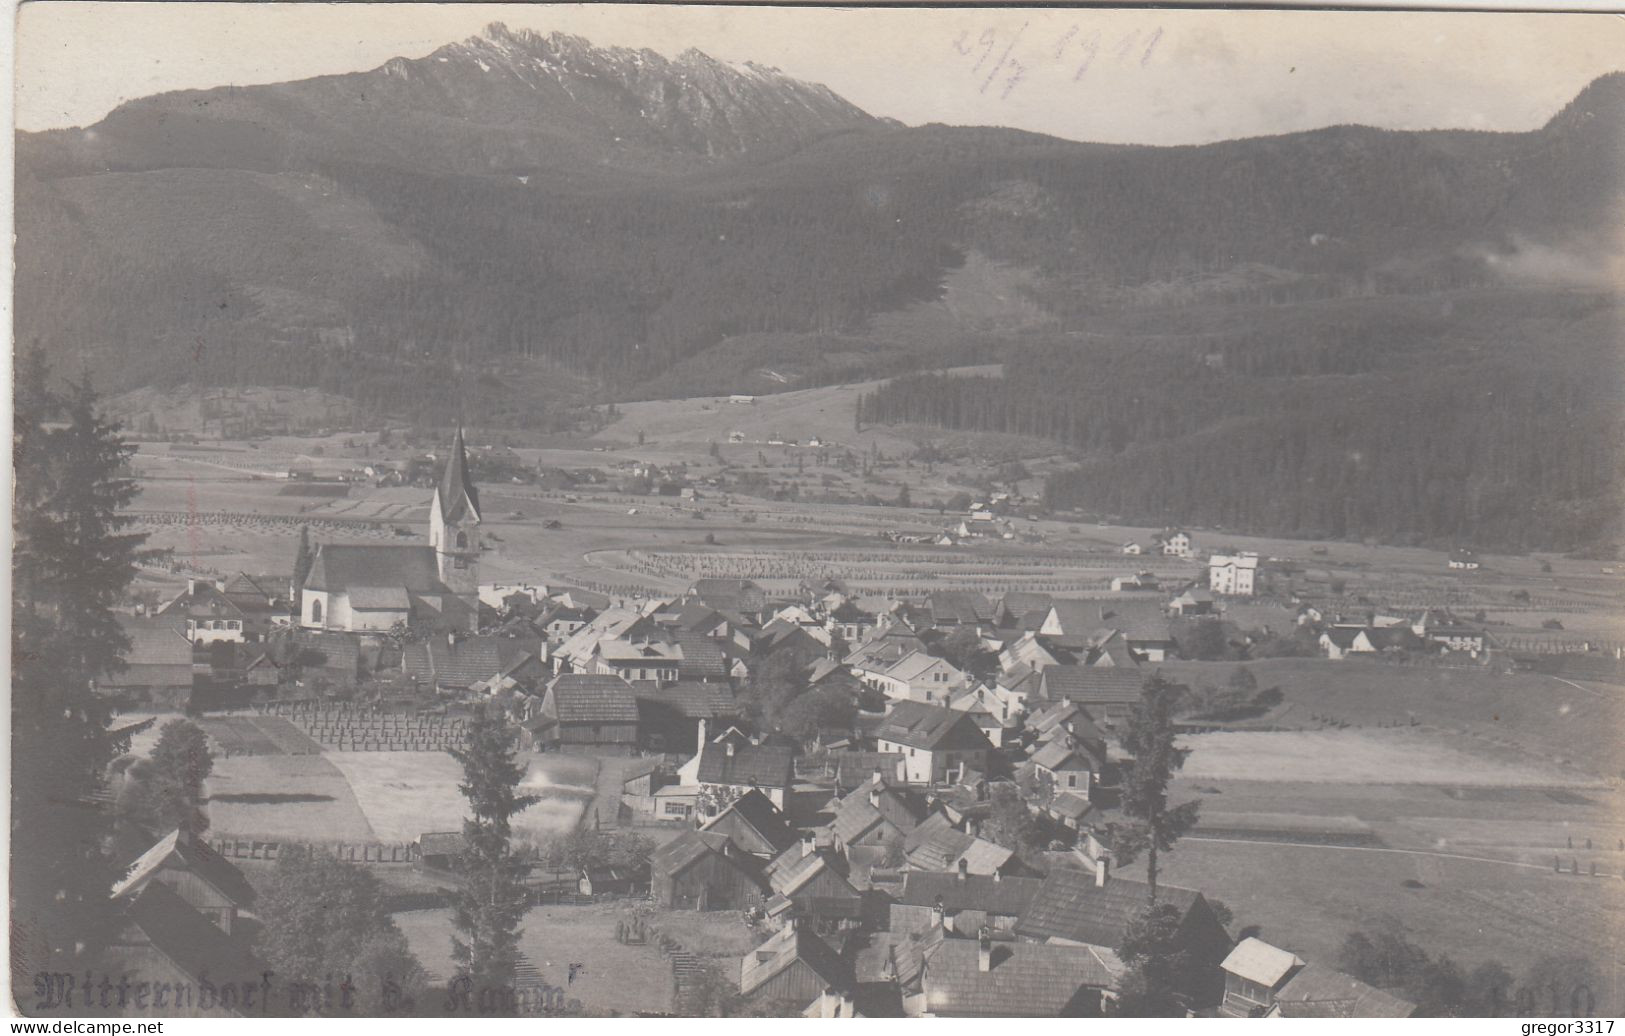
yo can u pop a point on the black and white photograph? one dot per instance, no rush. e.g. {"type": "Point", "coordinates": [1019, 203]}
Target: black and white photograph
{"type": "Point", "coordinates": [654, 511]}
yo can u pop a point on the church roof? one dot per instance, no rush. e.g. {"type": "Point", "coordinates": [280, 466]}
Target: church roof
{"type": "Point", "coordinates": [339, 566]}
{"type": "Point", "coordinates": [457, 497]}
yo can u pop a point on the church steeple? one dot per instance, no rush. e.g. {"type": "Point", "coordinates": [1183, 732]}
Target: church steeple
{"type": "Point", "coordinates": [456, 496]}
{"type": "Point", "coordinates": [454, 523]}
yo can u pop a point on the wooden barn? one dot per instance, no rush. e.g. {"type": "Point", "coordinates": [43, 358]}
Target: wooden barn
{"type": "Point", "coordinates": [704, 870]}
{"type": "Point", "coordinates": [794, 967]}
{"type": "Point", "coordinates": [208, 882]}
{"type": "Point", "coordinates": [755, 825]}
{"type": "Point", "coordinates": [591, 712]}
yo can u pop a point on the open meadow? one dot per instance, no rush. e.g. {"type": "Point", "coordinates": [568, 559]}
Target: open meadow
{"type": "Point", "coordinates": [1452, 841]}
{"type": "Point", "coordinates": [1376, 756]}
{"type": "Point", "coordinates": [388, 797]}
{"type": "Point", "coordinates": [1517, 716]}
{"type": "Point", "coordinates": [608, 975]}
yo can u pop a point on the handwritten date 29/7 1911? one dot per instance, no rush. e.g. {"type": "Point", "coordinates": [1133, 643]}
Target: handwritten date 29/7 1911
{"type": "Point", "coordinates": [1073, 45]}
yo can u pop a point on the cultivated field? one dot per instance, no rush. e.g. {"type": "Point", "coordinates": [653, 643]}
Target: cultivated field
{"type": "Point", "coordinates": [293, 797]}
{"type": "Point", "coordinates": [1361, 757]}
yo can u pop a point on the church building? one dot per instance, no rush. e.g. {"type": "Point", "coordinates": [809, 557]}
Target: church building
{"type": "Point", "coordinates": [360, 588]}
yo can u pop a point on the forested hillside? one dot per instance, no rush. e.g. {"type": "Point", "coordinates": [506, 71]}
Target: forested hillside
{"type": "Point", "coordinates": [516, 225]}
{"type": "Point", "coordinates": [1486, 418]}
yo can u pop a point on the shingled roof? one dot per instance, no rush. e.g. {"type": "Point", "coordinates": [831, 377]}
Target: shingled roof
{"type": "Point", "coordinates": [339, 566]}
{"type": "Point", "coordinates": [1059, 755]}
{"type": "Point", "coordinates": [860, 810]}
{"type": "Point", "coordinates": [1071, 906]}
{"type": "Point", "coordinates": [1321, 992]}
{"type": "Point", "coordinates": [677, 854]}
{"type": "Point", "coordinates": [931, 727]}
{"type": "Point", "coordinates": [690, 699]}
{"type": "Point", "coordinates": [987, 892]}
{"type": "Point", "coordinates": [182, 849]}
{"type": "Point", "coordinates": [592, 698]}
{"type": "Point", "coordinates": [767, 766]}
{"type": "Point", "coordinates": [702, 658]}
{"type": "Point", "coordinates": [959, 607]}
{"type": "Point", "coordinates": [156, 642]}
{"type": "Point", "coordinates": [467, 662]}
{"type": "Point", "coordinates": [783, 950]}
{"type": "Point", "coordinates": [755, 825]}
{"type": "Point", "coordinates": [1093, 685]}
{"type": "Point", "coordinates": [1022, 980]}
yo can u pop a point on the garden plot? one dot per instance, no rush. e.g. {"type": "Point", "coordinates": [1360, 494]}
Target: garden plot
{"type": "Point", "coordinates": [1393, 756]}
{"type": "Point", "coordinates": [285, 797]}
{"type": "Point", "coordinates": [405, 794]}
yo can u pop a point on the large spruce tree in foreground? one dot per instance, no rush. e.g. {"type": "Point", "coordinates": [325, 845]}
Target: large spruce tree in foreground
{"type": "Point", "coordinates": [488, 908]}
{"type": "Point", "coordinates": [1154, 825]}
{"type": "Point", "coordinates": [72, 562]}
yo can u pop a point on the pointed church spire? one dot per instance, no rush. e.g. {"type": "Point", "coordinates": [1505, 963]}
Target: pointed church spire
{"type": "Point", "coordinates": [459, 500]}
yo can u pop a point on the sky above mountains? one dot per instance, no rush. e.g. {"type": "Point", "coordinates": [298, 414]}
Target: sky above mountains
{"type": "Point", "coordinates": [1127, 76]}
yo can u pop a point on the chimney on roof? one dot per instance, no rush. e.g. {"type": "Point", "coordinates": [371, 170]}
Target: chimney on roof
{"type": "Point", "coordinates": [964, 869]}
{"type": "Point", "coordinates": [937, 913]}
{"type": "Point", "coordinates": [997, 874]}
{"type": "Point", "coordinates": [729, 747]}
{"type": "Point", "coordinates": [1101, 868]}
{"type": "Point", "coordinates": [191, 586]}
{"type": "Point", "coordinates": [984, 951]}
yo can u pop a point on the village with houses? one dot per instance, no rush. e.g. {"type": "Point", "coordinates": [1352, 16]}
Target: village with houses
{"type": "Point", "coordinates": [843, 795]}
{"type": "Point", "coordinates": [536, 511]}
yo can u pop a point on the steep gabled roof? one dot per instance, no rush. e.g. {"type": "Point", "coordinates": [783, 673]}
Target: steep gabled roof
{"type": "Point", "coordinates": [456, 496]}
{"type": "Point", "coordinates": [1058, 755]}
{"type": "Point", "coordinates": [183, 849]}
{"type": "Point", "coordinates": [916, 664]}
{"type": "Point", "coordinates": [931, 727]}
{"type": "Point", "coordinates": [339, 566]}
{"type": "Point", "coordinates": [784, 949]}
{"type": "Point", "coordinates": [1023, 980]}
{"type": "Point", "coordinates": [764, 827]}
{"type": "Point", "coordinates": [679, 853]}
{"type": "Point", "coordinates": [188, 939]}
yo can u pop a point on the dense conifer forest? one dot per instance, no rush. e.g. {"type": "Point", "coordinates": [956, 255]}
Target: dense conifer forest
{"type": "Point", "coordinates": [1430, 420]}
